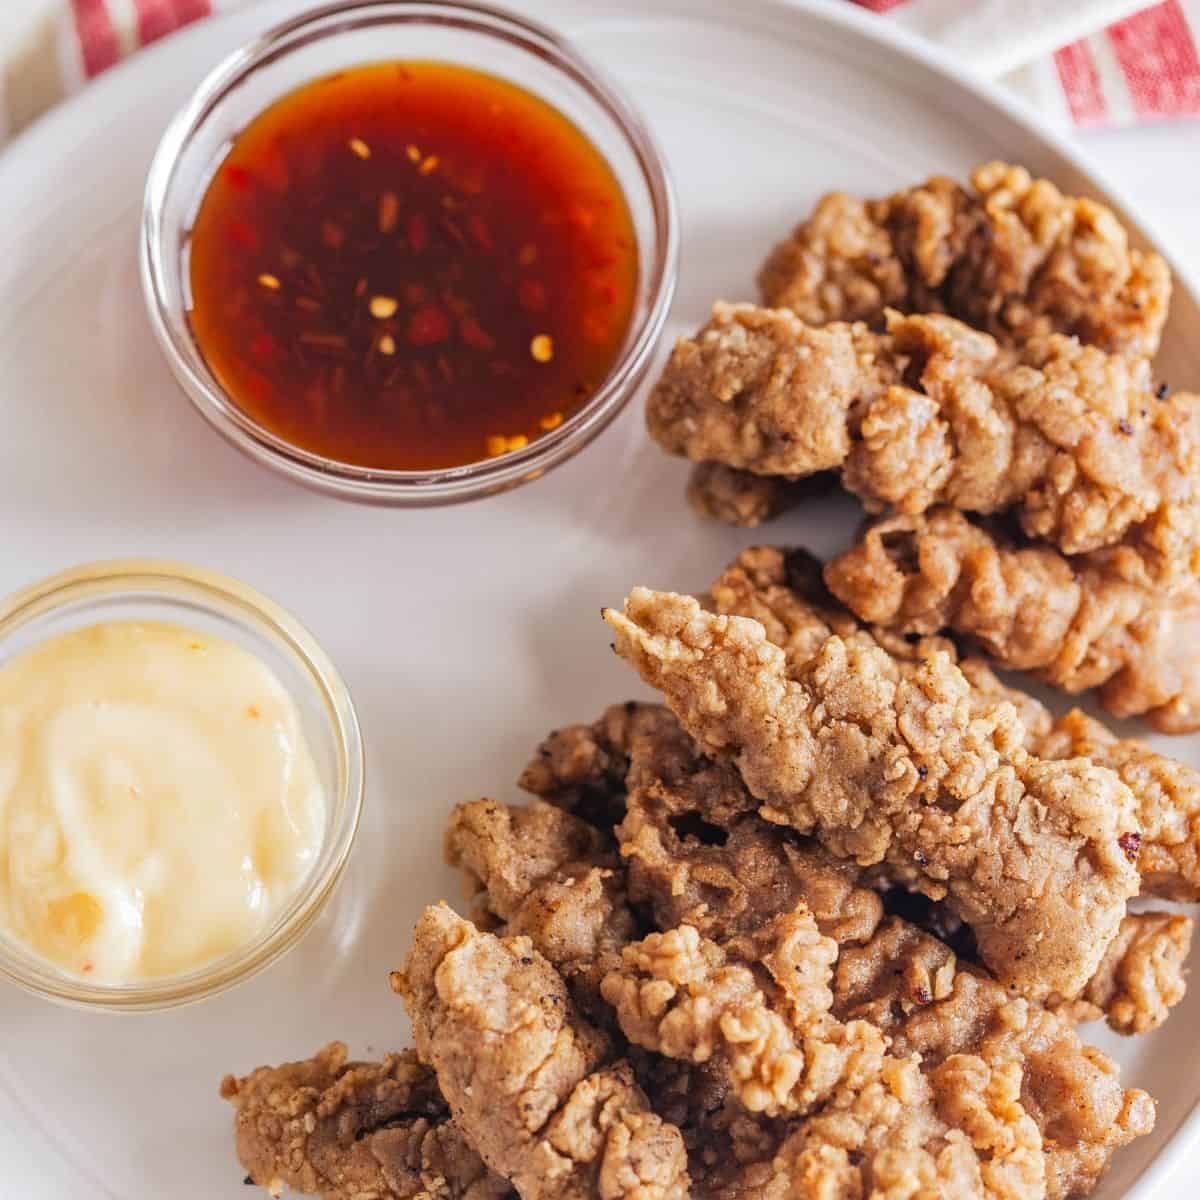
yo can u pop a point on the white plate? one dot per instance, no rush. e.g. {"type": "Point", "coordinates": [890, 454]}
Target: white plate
{"type": "Point", "coordinates": [465, 634]}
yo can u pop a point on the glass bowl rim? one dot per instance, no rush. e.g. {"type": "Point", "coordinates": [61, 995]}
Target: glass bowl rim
{"type": "Point", "coordinates": [265, 620]}
{"type": "Point", "coordinates": [440, 486]}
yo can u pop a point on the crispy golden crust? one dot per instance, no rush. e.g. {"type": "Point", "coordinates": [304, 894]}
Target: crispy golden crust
{"type": "Point", "coordinates": [888, 972]}
{"type": "Point", "coordinates": [341, 1130]}
{"type": "Point", "coordinates": [541, 872]}
{"type": "Point", "coordinates": [581, 768]}
{"type": "Point", "coordinates": [1099, 620]}
{"type": "Point", "coordinates": [1141, 977]}
{"type": "Point", "coordinates": [678, 993]}
{"type": "Point", "coordinates": [906, 771]}
{"type": "Point", "coordinates": [785, 592]}
{"type": "Point", "coordinates": [1075, 441]}
{"type": "Point", "coordinates": [782, 590]}
{"type": "Point", "coordinates": [1013, 256]}
{"type": "Point", "coordinates": [1166, 797]}
{"type": "Point", "coordinates": [960, 1131]}
{"type": "Point", "coordinates": [526, 1076]}
{"type": "Point", "coordinates": [1070, 1090]}
{"type": "Point", "coordinates": [756, 389]}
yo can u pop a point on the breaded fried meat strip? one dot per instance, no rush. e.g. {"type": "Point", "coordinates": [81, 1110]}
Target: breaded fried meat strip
{"type": "Point", "coordinates": [733, 879]}
{"type": "Point", "coordinates": [1141, 978]}
{"type": "Point", "coordinates": [682, 995]}
{"type": "Point", "coordinates": [783, 590]}
{"type": "Point", "coordinates": [529, 1081]}
{"type": "Point", "coordinates": [1075, 441]}
{"type": "Point", "coordinates": [1013, 256]}
{"type": "Point", "coordinates": [1166, 801]}
{"type": "Point", "coordinates": [542, 873]}
{"type": "Point", "coordinates": [906, 772]}
{"type": "Point", "coordinates": [727, 890]}
{"type": "Point", "coordinates": [1097, 620]}
{"type": "Point", "coordinates": [342, 1130]}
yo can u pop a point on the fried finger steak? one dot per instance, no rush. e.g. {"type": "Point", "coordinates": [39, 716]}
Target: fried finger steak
{"type": "Point", "coordinates": [1017, 259]}
{"type": "Point", "coordinates": [696, 855]}
{"type": "Point", "coordinates": [1141, 977]}
{"type": "Point", "coordinates": [784, 591]}
{"type": "Point", "coordinates": [343, 1130]}
{"type": "Point", "coordinates": [730, 882]}
{"type": "Point", "coordinates": [682, 995]}
{"type": "Point", "coordinates": [1035, 855]}
{"type": "Point", "coordinates": [1097, 620]}
{"type": "Point", "coordinates": [1076, 442]}
{"type": "Point", "coordinates": [1012, 256]}
{"type": "Point", "coordinates": [532, 1085]}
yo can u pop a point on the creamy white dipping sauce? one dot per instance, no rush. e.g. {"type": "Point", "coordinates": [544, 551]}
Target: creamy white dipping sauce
{"type": "Point", "coordinates": [158, 800]}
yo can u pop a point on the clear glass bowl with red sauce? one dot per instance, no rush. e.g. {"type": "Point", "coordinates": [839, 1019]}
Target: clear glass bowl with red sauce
{"type": "Point", "coordinates": [408, 253]}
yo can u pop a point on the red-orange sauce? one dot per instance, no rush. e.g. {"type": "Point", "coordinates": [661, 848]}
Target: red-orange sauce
{"type": "Point", "coordinates": [411, 266]}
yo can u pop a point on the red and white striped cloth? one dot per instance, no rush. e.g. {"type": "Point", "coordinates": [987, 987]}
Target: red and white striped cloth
{"type": "Point", "coordinates": [1143, 67]}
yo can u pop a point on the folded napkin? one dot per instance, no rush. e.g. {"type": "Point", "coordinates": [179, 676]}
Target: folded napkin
{"type": "Point", "coordinates": [1082, 62]}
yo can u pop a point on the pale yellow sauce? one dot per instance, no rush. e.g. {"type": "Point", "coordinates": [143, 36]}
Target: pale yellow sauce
{"type": "Point", "coordinates": [158, 800]}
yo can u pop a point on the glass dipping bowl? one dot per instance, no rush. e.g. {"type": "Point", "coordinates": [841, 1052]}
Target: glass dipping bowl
{"type": "Point", "coordinates": [148, 590]}
{"type": "Point", "coordinates": [338, 36]}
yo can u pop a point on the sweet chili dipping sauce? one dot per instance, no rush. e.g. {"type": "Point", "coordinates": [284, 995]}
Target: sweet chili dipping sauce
{"type": "Point", "coordinates": [411, 266]}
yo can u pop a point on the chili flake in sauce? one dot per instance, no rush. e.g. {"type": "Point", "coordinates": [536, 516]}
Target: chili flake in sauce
{"type": "Point", "coordinates": [412, 266]}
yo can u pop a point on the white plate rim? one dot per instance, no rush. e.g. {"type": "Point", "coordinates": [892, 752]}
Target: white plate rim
{"type": "Point", "coordinates": [21, 154]}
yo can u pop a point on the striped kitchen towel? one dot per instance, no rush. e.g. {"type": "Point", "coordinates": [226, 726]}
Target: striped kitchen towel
{"type": "Point", "coordinates": [1086, 62]}
{"type": "Point", "coordinates": [1083, 62]}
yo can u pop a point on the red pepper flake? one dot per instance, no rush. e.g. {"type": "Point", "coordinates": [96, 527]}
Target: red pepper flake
{"type": "Point", "coordinates": [1131, 844]}
{"type": "Point", "coordinates": [262, 346]}
{"type": "Point", "coordinates": [608, 293]}
{"type": "Point", "coordinates": [428, 326]}
{"type": "Point", "coordinates": [239, 178]}
{"type": "Point", "coordinates": [477, 228]}
{"type": "Point", "coordinates": [242, 235]}
{"type": "Point", "coordinates": [531, 295]}
{"type": "Point", "coordinates": [475, 335]}
{"type": "Point", "coordinates": [418, 232]}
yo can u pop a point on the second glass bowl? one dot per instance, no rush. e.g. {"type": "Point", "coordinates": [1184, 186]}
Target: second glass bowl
{"type": "Point", "coordinates": [209, 603]}
{"type": "Point", "coordinates": [347, 34]}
